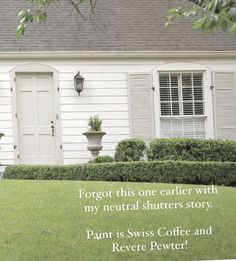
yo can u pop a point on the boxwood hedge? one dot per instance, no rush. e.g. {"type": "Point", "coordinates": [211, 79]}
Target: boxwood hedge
{"type": "Point", "coordinates": [221, 173]}
{"type": "Point", "coordinates": [192, 149]}
{"type": "Point", "coordinates": [102, 159]}
{"type": "Point", "coordinates": [130, 150]}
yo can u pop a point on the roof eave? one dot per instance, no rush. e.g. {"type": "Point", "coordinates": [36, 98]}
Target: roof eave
{"type": "Point", "coordinates": [119, 54]}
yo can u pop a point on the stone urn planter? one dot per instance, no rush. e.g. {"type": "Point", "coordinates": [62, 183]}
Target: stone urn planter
{"type": "Point", "coordinates": [94, 136]}
{"type": "Point", "coordinates": [94, 142]}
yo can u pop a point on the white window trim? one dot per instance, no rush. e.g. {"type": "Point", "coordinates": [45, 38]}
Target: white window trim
{"type": "Point", "coordinates": [207, 92]}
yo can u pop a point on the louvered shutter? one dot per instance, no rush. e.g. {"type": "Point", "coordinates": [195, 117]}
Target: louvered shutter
{"type": "Point", "coordinates": [225, 105]}
{"type": "Point", "coordinates": [141, 106]}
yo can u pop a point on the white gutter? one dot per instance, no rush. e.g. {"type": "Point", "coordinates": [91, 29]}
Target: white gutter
{"type": "Point", "coordinates": [118, 54]}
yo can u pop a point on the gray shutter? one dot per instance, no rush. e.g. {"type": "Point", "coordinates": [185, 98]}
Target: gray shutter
{"type": "Point", "coordinates": [225, 105]}
{"type": "Point", "coordinates": [141, 106]}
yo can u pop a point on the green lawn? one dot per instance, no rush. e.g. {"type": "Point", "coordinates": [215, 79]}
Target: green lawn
{"type": "Point", "coordinates": [45, 220]}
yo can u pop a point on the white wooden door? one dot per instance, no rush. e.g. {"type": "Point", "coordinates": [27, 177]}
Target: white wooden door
{"type": "Point", "coordinates": [36, 119]}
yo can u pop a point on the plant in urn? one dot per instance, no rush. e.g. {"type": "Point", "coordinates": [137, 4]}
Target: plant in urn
{"type": "Point", "coordinates": [94, 135]}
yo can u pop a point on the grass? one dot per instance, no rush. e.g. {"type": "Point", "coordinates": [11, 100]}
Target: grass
{"type": "Point", "coordinates": [45, 221]}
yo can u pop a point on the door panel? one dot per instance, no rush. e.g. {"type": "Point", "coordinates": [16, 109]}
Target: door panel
{"type": "Point", "coordinates": [35, 112]}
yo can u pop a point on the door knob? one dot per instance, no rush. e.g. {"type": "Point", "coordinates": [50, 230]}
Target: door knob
{"type": "Point", "coordinates": [52, 128]}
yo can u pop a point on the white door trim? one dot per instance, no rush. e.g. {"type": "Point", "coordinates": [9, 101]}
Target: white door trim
{"type": "Point", "coordinates": [36, 68]}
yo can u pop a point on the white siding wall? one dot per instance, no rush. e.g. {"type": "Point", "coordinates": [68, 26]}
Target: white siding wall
{"type": "Point", "coordinates": [105, 93]}
{"type": "Point", "coordinates": [6, 126]}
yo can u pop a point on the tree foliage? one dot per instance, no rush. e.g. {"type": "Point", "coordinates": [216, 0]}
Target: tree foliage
{"type": "Point", "coordinates": [39, 12]}
{"type": "Point", "coordinates": [210, 14]}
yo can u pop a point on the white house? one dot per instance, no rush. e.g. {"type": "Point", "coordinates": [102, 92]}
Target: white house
{"type": "Point", "coordinates": [142, 79]}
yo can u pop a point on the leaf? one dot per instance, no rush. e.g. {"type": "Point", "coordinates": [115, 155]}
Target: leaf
{"type": "Point", "coordinates": [20, 31]}
{"type": "Point", "coordinates": [232, 30]}
{"type": "Point", "coordinates": [22, 14]}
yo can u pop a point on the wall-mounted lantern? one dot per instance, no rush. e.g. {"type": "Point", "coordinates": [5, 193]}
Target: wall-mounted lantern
{"type": "Point", "coordinates": [79, 83]}
{"type": "Point", "coordinates": [1, 135]}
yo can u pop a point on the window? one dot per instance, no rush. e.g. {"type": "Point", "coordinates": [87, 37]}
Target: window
{"type": "Point", "coordinates": [182, 104]}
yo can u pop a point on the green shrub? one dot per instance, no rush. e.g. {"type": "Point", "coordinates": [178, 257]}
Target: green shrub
{"type": "Point", "coordinates": [130, 150]}
{"type": "Point", "coordinates": [221, 173]}
{"type": "Point", "coordinates": [192, 149]}
{"type": "Point", "coordinates": [102, 159]}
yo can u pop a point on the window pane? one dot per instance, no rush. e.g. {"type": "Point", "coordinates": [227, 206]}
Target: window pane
{"type": "Point", "coordinates": [197, 79]}
{"type": "Point", "coordinates": [174, 80]}
{"type": "Point", "coordinates": [177, 128]}
{"type": "Point", "coordinates": [198, 94]}
{"type": "Point", "coordinates": [186, 80]}
{"type": "Point", "coordinates": [166, 129]}
{"type": "Point", "coordinates": [165, 109]}
{"type": "Point", "coordinates": [165, 94]}
{"type": "Point", "coordinates": [198, 108]}
{"type": "Point", "coordinates": [164, 80]}
{"type": "Point", "coordinates": [199, 128]}
{"type": "Point", "coordinates": [188, 128]}
{"type": "Point", "coordinates": [175, 94]}
{"type": "Point", "coordinates": [187, 94]}
{"type": "Point", "coordinates": [188, 108]}
{"type": "Point", "coordinates": [175, 108]}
